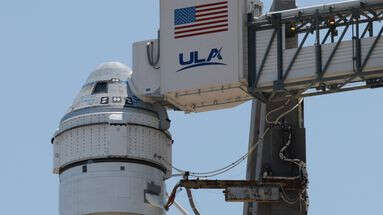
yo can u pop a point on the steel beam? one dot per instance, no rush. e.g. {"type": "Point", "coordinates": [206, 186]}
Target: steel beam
{"type": "Point", "coordinates": [251, 48]}
{"type": "Point", "coordinates": [265, 161]}
{"type": "Point", "coordinates": [251, 194]}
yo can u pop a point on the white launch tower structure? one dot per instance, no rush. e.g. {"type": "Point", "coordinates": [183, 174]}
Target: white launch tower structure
{"type": "Point", "coordinates": [112, 150]}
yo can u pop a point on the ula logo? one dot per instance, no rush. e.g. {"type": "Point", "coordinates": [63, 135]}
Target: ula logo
{"type": "Point", "coordinates": [194, 59]}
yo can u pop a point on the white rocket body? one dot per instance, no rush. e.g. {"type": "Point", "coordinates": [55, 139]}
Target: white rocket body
{"type": "Point", "coordinates": [112, 151]}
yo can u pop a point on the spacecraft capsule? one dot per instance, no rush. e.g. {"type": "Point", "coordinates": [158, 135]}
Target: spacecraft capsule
{"type": "Point", "coordinates": [112, 151]}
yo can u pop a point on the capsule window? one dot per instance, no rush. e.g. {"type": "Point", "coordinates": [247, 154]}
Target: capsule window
{"type": "Point", "coordinates": [101, 87]}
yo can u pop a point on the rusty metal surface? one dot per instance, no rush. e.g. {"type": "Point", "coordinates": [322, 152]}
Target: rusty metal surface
{"type": "Point", "coordinates": [253, 194]}
{"type": "Point", "coordinates": [223, 184]}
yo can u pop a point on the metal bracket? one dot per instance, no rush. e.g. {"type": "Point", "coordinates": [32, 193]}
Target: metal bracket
{"type": "Point", "coordinates": [253, 194]}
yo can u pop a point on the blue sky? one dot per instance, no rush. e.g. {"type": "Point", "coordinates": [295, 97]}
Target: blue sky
{"type": "Point", "coordinates": [47, 50]}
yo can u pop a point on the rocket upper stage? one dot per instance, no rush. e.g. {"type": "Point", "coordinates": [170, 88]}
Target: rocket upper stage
{"type": "Point", "coordinates": [112, 150]}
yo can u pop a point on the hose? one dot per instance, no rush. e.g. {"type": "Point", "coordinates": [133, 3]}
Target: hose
{"type": "Point", "coordinates": [150, 53]}
{"type": "Point", "coordinates": [191, 201]}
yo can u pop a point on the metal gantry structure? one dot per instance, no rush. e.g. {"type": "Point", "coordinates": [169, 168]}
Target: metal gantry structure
{"type": "Point", "coordinates": [277, 178]}
{"type": "Point", "coordinates": [316, 28]}
{"type": "Point", "coordinates": [293, 29]}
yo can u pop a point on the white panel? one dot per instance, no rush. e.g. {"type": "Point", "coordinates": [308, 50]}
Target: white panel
{"type": "Point", "coordinates": [145, 78]}
{"type": "Point", "coordinates": [376, 59]}
{"type": "Point", "coordinates": [268, 73]}
{"type": "Point", "coordinates": [199, 77]}
{"type": "Point", "coordinates": [106, 188]}
{"type": "Point", "coordinates": [208, 75]}
{"type": "Point", "coordinates": [342, 62]}
{"type": "Point", "coordinates": [135, 116]}
{"type": "Point", "coordinates": [213, 99]}
{"type": "Point", "coordinates": [304, 66]}
{"type": "Point", "coordinates": [100, 141]}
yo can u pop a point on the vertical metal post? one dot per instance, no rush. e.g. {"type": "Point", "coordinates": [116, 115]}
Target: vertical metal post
{"type": "Point", "coordinates": [371, 29]}
{"type": "Point", "coordinates": [278, 26]}
{"type": "Point", "coordinates": [251, 49]}
{"type": "Point", "coordinates": [318, 46]}
{"type": "Point", "coordinates": [266, 160]}
{"type": "Point", "coordinates": [254, 162]}
{"type": "Point", "coordinates": [278, 85]}
{"type": "Point", "coordinates": [263, 159]}
{"type": "Point", "coordinates": [356, 38]}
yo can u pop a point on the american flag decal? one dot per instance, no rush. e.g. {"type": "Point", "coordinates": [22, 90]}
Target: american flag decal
{"type": "Point", "coordinates": [201, 19]}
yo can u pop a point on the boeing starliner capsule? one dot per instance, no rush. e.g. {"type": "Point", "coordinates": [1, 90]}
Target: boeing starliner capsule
{"type": "Point", "coordinates": [112, 151]}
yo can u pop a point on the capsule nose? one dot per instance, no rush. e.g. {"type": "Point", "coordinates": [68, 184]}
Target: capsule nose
{"type": "Point", "coordinates": [108, 85]}
{"type": "Point", "coordinates": [109, 71]}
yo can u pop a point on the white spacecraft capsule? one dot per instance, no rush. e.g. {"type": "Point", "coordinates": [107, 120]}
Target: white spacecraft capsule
{"type": "Point", "coordinates": [112, 151]}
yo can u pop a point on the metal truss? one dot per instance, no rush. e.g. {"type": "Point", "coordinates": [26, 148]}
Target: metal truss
{"type": "Point", "coordinates": [332, 26]}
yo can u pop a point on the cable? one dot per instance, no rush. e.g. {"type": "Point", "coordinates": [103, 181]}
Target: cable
{"type": "Point", "coordinates": [286, 198]}
{"type": "Point", "coordinates": [150, 53]}
{"type": "Point", "coordinates": [218, 171]}
{"type": "Point", "coordinates": [289, 111]}
{"type": "Point", "coordinates": [172, 196]}
{"type": "Point", "coordinates": [178, 206]}
{"type": "Point", "coordinates": [302, 196]}
{"type": "Point", "coordinates": [275, 110]}
{"type": "Point", "coordinates": [191, 201]}
{"type": "Point", "coordinates": [268, 114]}
{"type": "Point", "coordinates": [235, 164]}
{"type": "Point", "coordinates": [302, 166]}
{"type": "Point", "coordinates": [242, 158]}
